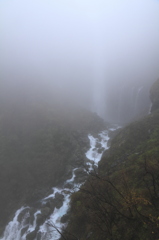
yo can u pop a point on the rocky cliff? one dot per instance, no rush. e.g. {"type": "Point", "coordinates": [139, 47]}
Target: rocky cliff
{"type": "Point", "coordinates": [121, 200]}
{"type": "Point", "coordinates": [154, 96]}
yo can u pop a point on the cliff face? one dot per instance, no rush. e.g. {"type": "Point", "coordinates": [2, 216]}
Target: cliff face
{"type": "Point", "coordinates": [121, 201]}
{"type": "Point", "coordinates": [127, 102]}
{"type": "Point", "coordinates": [39, 147]}
{"type": "Point", "coordinates": [154, 96]}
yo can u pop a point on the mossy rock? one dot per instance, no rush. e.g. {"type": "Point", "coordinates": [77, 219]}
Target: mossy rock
{"type": "Point", "coordinates": [127, 179]}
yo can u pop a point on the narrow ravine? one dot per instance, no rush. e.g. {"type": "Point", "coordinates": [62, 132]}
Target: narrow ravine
{"type": "Point", "coordinates": [46, 222]}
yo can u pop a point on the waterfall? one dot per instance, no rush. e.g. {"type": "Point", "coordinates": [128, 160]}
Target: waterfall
{"type": "Point", "coordinates": [30, 222]}
{"type": "Point", "coordinates": [98, 100]}
{"type": "Point", "coordinates": [136, 102]}
{"type": "Point", "coordinates": [149, 112]}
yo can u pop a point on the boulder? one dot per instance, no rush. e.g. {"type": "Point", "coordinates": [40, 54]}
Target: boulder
{"type": "Point", "coordinates": [69, 185]}
{"type": "Point", "coordinates": [98, 145]}
{"type": "Point", "coordinates": [23, 230]}
{"type": "Point", "coordinates": [41, 217]}
{"type": "Point", "coordinates": [58, 200]}
{"type": "Point", "coordinates": [31, 235]}
{"type": "Point", "coordinates": [45, 211]}
{"type": "Point", "coordinates": [100, 150]}
{"type": "Point", "coordinates": [38, 236]}
{"type": "Point", "coordinates": [22, 214]}
{"type": "Point", "coordinates": [64, 218]}
{"type": "Point", "coordinates": [50, 204]}
{"type": "Point", "coordinates": [31, 212]}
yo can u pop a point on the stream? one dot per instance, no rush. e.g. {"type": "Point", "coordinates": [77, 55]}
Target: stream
{"type": "Point", "coordinates": [45, 223]}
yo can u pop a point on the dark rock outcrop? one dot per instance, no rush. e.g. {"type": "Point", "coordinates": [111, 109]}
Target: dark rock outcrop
{"type": "Point", "coordinates": [31, 235]}
{"type": "Point", "coordinates": [58, 200]}
{"type": "Point", "coordinates": [154, 96]}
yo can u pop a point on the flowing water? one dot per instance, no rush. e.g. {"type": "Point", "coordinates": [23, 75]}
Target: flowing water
{"type": "Point", "coordinates": [25, 222]}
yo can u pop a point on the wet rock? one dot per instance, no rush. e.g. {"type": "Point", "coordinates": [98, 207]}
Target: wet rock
{"type": "Point", "coordinates": [58, 200]}
{"type": "Point", "coordinates": [98, 145]}
{"type": "Point", "coordinates": [100, 150]}
{"type": "Point", "coordinates": [95, 169]}
{"type": "Point", "coordinates": [90, 161]}
{"type": "Point", "coordinates": [22, 214]}
{"type": "Point", "coordinates": [50, 204]}
{"type": "Point", "coordinates": [23, 230]}
{"type": "Point", "coordinates": [50, 191]}
{"type": "Point", "coordinates": [45, 211]}
{"type": "Point", "coordinates": [27, 219]}
{"type": "Point", "coordinates": [80, 172]}
{"type": "Point", "coordinates": [40, 219]}
{"type": "Point", "coordinates": [68, 174]}
{"type": "Point", "coordinates": [31, 219]}
{"type": "Point", "coordinates": [64, 218]}
{"type": "Point", "coordinates": [59, 196]}
{"type": "Point", "coordinates": [38, 237]}
{"type": "Point", "coordinates": [69, 185]}
{"type": "Point", "coordinates": [66, 192]}
{"type": "Point", "coordinates": [31, 235]}
{"type": "Point", "coordinates": [87, 168]}
{"type": "Point", "coordinates": [81, 175]}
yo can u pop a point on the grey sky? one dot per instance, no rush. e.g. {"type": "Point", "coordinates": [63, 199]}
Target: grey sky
{"type": "Point", "coordinates": [75, 43]}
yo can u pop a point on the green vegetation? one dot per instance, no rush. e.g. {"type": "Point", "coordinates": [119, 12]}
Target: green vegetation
{"type": "Point", "coordinates": [38, 148]}
{"type": "Point", "coordinates": [122, 200]}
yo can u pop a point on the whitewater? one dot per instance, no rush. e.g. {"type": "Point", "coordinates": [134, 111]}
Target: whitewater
{"type": "Point", "coordinates": [24, 225]}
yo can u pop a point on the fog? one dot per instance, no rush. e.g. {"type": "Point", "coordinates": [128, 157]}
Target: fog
{"type": "Point", "coordinates": [77, 52]}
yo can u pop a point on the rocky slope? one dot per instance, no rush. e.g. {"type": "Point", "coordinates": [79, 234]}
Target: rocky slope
{"type": "Point", "coordinates": [39, 146]}
{"type": "Point", "coordinates": [121, 201]}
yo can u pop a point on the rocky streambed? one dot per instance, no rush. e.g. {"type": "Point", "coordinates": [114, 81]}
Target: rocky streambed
{"type": "Point", "coordinates": [48, 216]}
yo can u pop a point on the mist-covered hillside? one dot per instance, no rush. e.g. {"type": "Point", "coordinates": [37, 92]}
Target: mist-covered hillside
{"type": "Point", "coordinates": [121, 200]}
{"type": "Point", "coordinates": [38, 148]}
{"type": "Point", "coordinates": [72, 75]}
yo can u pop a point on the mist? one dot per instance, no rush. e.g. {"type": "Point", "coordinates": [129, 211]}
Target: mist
{"type": "Point", "coordinates": [80, 53]}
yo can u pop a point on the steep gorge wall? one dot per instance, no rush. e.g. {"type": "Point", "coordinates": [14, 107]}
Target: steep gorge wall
{"type": "Point", "coordinates": [154, 96]}
{"type": "Point", "coordinates": [121, 201]}
{"type": "Point", "coordinates": [126, 103]}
